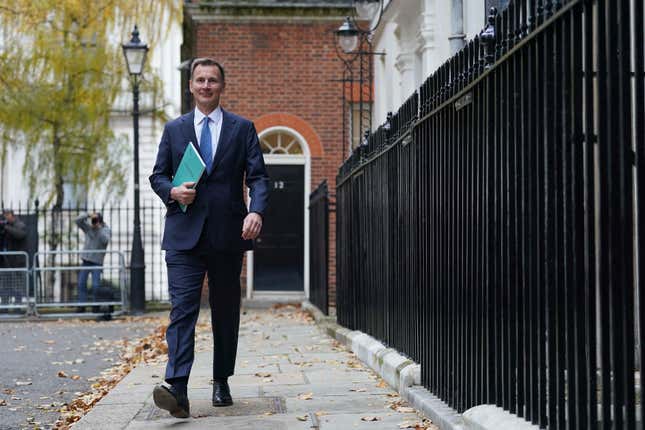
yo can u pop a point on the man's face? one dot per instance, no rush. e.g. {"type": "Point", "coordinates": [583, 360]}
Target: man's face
{"type": "Point", "coordinates": [10, 217]}
{"type": "Point", "coordinates": [206, 86]}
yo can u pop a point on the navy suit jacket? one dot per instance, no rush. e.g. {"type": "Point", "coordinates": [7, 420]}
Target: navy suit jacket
{"type": "Point", "coordinates": [219, 196]}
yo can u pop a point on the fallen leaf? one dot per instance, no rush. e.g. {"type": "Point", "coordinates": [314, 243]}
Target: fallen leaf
{"type": "Point", "coordinates": [370, 418]}
{"type": "Point", "coordinates": [306, 396]}
{"type": "Point", "coordinates": [262, 375]}
{"type": "Point", "coordinates": [358, 390]}
{"type": "Point", "coordinates": [3, 402]}
{"type": "Point", "coordinates": [302, 417]}
{"type": "Point", "coordinates": [76, 377]}
{"type": "Point", "coordinates": [62, 374]}
{"type": "Point", "coordinates": [8, 391]}
{"type": "Point", "coordinates": [320, 413]}
{"type": "Point", "coordinates": [23, 383]}
{"type": "Point", "coordinates": [382, 384]}
{"type": "Point", "coordinates": [405, 410]}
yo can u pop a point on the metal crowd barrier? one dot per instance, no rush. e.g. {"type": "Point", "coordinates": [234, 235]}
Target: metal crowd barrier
{"type": "Point", "coordinates": [14, 282]}
{"type": "Point", "coordinates": [56, 276]}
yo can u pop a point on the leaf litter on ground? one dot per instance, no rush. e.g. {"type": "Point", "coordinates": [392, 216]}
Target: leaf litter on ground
{"type": "Point", "coordinates": [151, 349]}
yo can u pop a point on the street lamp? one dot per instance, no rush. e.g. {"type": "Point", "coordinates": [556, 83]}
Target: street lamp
{"type": "Point", "coordinates": [135, 57]}
{"type": "Point", "coordinates": [348, 36]}
{"type": "Point", "coordinates": [366, 11]}
{"type": "Point", "coordinates": [354, 45]}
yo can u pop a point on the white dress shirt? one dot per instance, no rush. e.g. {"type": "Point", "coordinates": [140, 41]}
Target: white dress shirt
{"type": "Point", "coordinates": [215, 126]}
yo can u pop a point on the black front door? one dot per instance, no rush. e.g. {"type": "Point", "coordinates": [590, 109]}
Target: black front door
{"type": "Point", "coordinates": [278, 260]}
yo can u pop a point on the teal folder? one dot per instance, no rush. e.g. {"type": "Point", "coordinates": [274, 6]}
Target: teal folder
{"type": "Point", "coordinates": [191, 167]}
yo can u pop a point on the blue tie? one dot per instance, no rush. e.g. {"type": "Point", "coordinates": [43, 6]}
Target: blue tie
{"type": "Point", "coordinates": [205, 144]}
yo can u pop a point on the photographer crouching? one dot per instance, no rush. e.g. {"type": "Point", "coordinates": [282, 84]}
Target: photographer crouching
{"type": "Point", "coordinates": [97, 237]}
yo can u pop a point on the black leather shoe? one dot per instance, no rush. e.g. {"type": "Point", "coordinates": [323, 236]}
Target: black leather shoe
{"type": "Point", "coordinates": [221, 394]}
{"type": "Point", "coordinates": [172, 401]}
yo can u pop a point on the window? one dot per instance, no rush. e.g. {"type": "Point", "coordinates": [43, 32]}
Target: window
{"type": "Point", "coordinates": [280, 143]}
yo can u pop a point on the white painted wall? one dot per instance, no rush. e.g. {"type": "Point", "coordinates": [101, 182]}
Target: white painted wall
{"type": "Point", "coordinates": [415, 37]}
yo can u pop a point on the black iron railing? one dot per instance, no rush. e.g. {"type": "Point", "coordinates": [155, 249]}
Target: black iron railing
{"type": "Point", "coordinates": [493, 228]}
{"type": "Point", "coordinates": [319, 208]}
{"type": "Point", "coordinates": [52, 229]}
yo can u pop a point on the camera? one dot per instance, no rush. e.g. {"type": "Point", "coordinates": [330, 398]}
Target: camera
{"type": "Point", "coordinates": [96, 219]}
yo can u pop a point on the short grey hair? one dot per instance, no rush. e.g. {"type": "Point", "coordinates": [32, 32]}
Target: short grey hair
{"type": "Point", "coordinates": [206, 61]}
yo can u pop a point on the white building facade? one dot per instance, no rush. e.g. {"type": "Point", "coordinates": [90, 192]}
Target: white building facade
{"type": "Point", "coordinates": [417, 36]}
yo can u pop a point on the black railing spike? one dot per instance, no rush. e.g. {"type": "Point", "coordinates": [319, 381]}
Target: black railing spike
{"type": "Point", "coordinates": [366, 138]}
{"type": "Point", "coordinates": [540, 12]}
{"type": "Point", "coordinates": [499, 36]}
{"type": "Point", "coordinates": [481, 56]}
{"type": "Point", "coordinates": [388, 122]}
{"type": "Point", "coordinates": [526, 18]}
{"type": "Point", "coordinates": [514, 28]}
{"type": "Point", "coordinates": [507, 16]}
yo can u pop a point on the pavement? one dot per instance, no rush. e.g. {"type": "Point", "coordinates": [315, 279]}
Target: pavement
{"type": "Point", "coordinates": [289, 375]}
{"type": "Point", "coordinates": [46, 363]}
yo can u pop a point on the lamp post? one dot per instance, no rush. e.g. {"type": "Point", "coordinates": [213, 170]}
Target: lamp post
{"type": "Point", "coordinates": [353, 46]}
{"type": "Point", "coordinates": [135, 57]}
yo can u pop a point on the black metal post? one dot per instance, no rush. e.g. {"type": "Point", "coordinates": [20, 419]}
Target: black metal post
{"type": "Point", "coordinates": [137, 263]}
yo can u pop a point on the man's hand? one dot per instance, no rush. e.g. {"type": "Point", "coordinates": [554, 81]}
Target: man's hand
{"type": "Point", "coordinates": [184, 194]}
{"type": "Point", "coordinates": [252, 226]}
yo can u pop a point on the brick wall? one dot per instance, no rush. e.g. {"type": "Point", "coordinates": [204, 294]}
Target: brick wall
{"type": "Point", "coordinates": [283, 73]}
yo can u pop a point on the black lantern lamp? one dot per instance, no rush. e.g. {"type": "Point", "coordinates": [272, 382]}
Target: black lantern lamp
{"type": "Point", "coordinates": [367, 11]}
{"type": "Point", "coordinates": [347, 35]}
{"type": "Point", "coordinates": [135, 53]}
{"type": "Point", "coordinates": [354, 48]}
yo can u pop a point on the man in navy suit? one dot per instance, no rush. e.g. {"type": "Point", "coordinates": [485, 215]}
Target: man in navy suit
{"type": "Point", "coordinates": [211, 236]}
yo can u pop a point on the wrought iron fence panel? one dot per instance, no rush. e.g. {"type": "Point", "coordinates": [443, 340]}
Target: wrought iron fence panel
{"type": "Point", "coordinates": [319, 209]}
{"type": "Point", "coordinates": [55, 229]}
{"type": "Point", "coordinates": [492, 228]}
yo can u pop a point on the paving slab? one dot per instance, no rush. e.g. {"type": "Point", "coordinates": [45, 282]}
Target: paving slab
{"type": "Point", "coordinates": [358, 402]}
{"type": "Point", "coordinates": [273, 422]}
{"type": "Point", "coordinates": [109, 416]}
{"type": "Point", "coordinates": [385, 421]}
{"type": "Point", "coordinates": [339, 389]}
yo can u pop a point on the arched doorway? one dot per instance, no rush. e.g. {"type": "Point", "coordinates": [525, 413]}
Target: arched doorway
{"type": "Point", "coordinates": [279, 265]}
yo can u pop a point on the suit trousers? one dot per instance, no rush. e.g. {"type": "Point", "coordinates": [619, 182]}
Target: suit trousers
{"type": "Point", "coordinates": [186, 270]}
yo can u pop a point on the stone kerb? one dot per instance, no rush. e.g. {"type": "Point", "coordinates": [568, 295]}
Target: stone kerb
{"type": "Point", "coordinates": [404, 375]}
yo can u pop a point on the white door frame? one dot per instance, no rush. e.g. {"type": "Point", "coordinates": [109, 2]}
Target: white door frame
{"type": "Point", "coordinates": [287, 159]}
